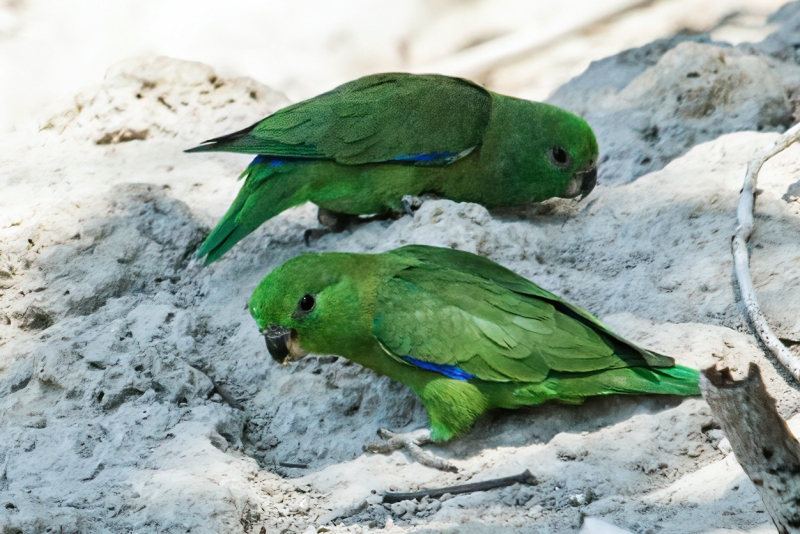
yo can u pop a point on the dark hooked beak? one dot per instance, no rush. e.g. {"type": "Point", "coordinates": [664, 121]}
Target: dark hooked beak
{"type": "Point", "coordinates": [582, 183]}
{"type": "Point", "coordinates": [278, 339]}
{"type": "Point", "coordinates": [588, 181]}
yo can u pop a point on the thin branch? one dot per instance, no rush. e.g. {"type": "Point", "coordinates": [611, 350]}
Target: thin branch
{"type": "Point", "coordinates": [523, 478]}
{"type": "Point", "coordinates": [388, 498]}
{"type": "Point", "coordinates": [761, 440]}
{"type": "Point", "coordinates": [741, 257]}
{"type": "Point", "coordinates": [223, 393]}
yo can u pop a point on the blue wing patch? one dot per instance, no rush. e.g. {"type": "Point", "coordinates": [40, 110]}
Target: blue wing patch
{"type": "Point", "coordinates": [273, 162]}
{"type": "Point", "coordinates": [430, 159]}
{"type": "Point", "coordinates": [450, 371]}
{"type": "Point", "coordinates": [425, 157]}
{"type": "Point", "coordinates": [434, 158]}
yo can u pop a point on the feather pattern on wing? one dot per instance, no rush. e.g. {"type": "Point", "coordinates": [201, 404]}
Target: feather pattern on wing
{"type": "Point", "coordinates": [408, 119]}
{"type": "Point", "coordinates": [457, 309]}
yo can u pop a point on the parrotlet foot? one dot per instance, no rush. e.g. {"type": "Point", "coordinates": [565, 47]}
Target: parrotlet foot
{"type": "Point", "coordinates": [412, 204]}
{"type": "Point", "coordinates": [331, 221]}
{"type": "Point", "coordinates": [411, 442]}
{"type": "Point", "coordinates": [312, 234]}
{"type": "Point", "coordinates": [337, 222]}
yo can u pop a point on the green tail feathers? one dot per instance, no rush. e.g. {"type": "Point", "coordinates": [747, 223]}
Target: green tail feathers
{"type": "Point", "coordinates": [269, 189]}
{"type": "Point", "coordinates": [678, 380]}
{"type": "Point", "coordinates": [574, 388]}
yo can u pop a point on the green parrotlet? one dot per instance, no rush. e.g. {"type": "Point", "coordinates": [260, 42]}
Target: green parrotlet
{"type": "Point", "coordinates": [364, 146]}
{"type": "Point", "coordinates": [465, 334]}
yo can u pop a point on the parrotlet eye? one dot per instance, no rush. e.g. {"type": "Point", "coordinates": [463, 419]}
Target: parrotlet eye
{"type": "Point", "coordinates": [559, 157]}
{"type": "Point", "coordinates": [307, 303]}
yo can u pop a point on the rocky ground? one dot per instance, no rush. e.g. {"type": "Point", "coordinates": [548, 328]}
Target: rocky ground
{"type": "Point", "coordinates": [137, 396]}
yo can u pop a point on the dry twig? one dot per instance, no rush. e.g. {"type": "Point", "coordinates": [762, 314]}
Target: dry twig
{"type": "Point", "coordinates": [293, 465]}
{"type": "Point", "coordinates": [741, 258]}
{"type": "Point", "coordinates": [227, 397]}
{"type": "Point", "coordinates": [761, 440]}
{"type": "Point", "coordinates": [523, 478]}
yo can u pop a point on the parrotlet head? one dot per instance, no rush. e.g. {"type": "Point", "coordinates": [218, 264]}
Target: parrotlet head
{"type": "Point", "coordinates": [562, 147]}
{"type": "Point", "coordinates": [581, 161]}
{"type": "Point", "coordinates": [314, 303]}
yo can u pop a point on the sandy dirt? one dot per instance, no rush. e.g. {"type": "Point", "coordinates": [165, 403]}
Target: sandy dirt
{"type": "Point", "coordinates": [118, 351]}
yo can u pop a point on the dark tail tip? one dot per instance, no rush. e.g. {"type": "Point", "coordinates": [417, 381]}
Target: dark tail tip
{"type": "Point", "coordinates": [215, 143]}
{"type": "Point", "coordinates": [207, 146]}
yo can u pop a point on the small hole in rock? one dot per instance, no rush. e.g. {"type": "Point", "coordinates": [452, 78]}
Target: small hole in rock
{"type": "Point", "coordinates": [100, 396]}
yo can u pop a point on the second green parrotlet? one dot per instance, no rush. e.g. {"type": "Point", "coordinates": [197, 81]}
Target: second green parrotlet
{"type": "Point", "coordinates": [464, 333]}
{"type": "Point", "coordinates": [364, 146]}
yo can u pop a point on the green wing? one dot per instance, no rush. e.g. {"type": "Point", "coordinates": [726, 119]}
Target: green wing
{"type": "Point", "coordinates": [487, 269]}
{"type": "Point", "coordinates": [441, 311]}
{"type": "Point", "coordinates": [422, 119]}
